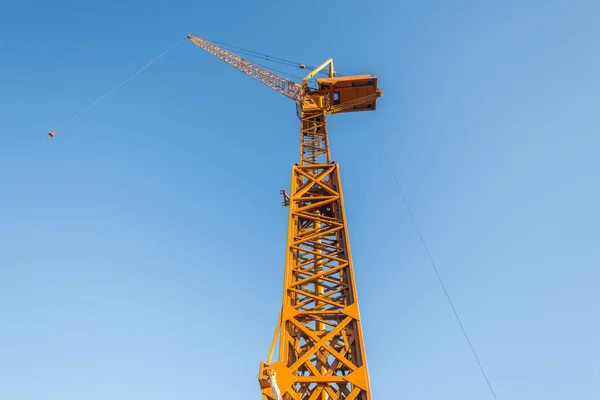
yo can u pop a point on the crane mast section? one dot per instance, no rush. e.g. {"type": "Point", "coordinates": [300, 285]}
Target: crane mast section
{"type": "Point", "coordinates": [276, 82]}
{"type": "Point", "coordinates": [321, 347]}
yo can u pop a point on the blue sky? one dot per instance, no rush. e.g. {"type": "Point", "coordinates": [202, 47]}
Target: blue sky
{"type": "Point", "coordinates": [142, 249]}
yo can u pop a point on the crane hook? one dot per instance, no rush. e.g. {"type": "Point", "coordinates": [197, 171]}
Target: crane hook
{"type": "Point", "coordinates": [51, 133]}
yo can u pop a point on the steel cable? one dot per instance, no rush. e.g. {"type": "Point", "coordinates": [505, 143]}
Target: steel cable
{"type": "Point", "coordinates": [414, 221]}
{"type": "Point", "coordinates": [113, 90]}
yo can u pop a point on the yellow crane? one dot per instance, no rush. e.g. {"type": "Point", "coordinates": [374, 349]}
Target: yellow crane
{"type": "Point", "coordinates": [319, 332]}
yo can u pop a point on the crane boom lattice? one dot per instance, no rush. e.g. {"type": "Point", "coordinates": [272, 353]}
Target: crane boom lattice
{"type": "Point", "coordinates": [278, 83]}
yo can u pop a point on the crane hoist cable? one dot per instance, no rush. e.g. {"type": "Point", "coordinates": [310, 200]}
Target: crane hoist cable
{"type": "Point", "coordinates": [433, 264]}
{"type": "Point", "coordinates": [263, 56]}
{"type": "Point", "coordinates": [267, 57]}
{"type": "Point", "coordinates": [51, 134]}
{"type": "Point", "coordinates": [237, 49]}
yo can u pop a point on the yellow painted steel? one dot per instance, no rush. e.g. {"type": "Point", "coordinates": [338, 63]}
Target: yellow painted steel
{"type": "Point", "coordinates": [319, 332]}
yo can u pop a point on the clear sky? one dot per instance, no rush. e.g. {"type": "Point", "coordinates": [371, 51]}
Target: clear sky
{"type": "Point", "coordinates": [142, 249]}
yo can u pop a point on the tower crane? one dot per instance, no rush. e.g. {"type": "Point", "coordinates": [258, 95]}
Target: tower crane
{"type": "Point", "coordinates": [319, 333]}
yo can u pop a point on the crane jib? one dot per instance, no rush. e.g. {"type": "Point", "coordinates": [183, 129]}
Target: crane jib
{"type": "Point", "coordinates": [278, 83]}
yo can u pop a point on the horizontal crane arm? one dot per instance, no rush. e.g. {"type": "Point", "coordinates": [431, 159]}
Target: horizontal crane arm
{"type": "Point", "coordinates": [278, 83]}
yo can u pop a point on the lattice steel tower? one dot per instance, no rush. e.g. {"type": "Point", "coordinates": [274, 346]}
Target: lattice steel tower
{"type": "Point", "coordinates": [319, 334]}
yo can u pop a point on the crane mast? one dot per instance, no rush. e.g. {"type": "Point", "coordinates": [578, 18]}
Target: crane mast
{"type": "Point", "coordinates": [319, 333]}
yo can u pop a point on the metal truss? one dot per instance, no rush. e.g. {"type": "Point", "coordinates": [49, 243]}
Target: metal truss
{"type": "Point", "coordinates": [321, 350]}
